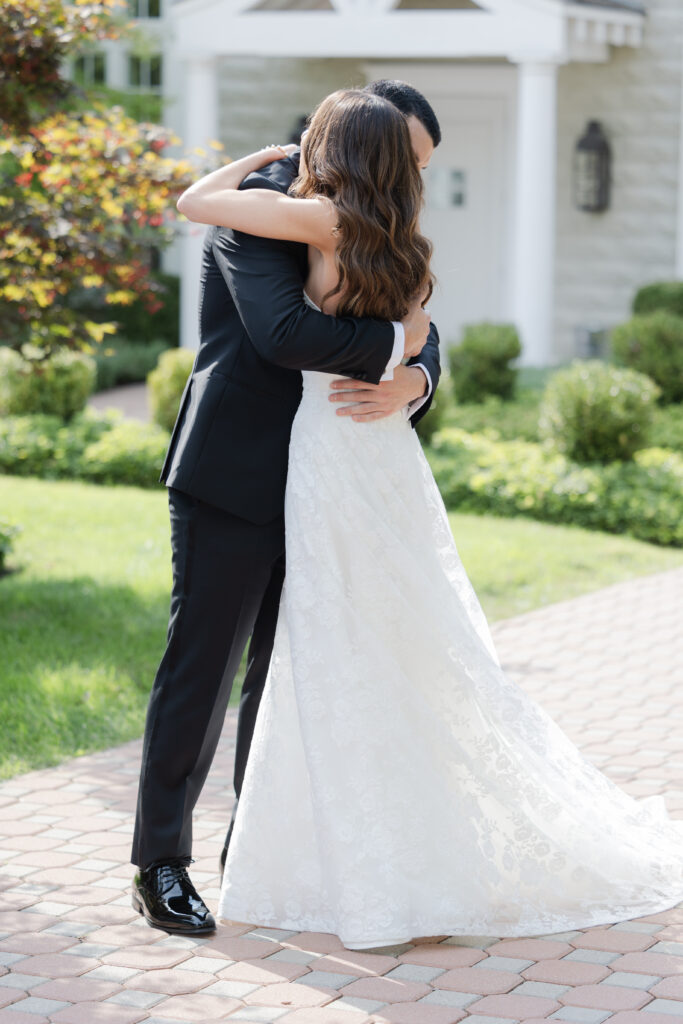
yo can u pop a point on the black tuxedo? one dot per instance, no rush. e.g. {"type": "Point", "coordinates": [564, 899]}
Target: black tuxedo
{"type": "Point", "coordinates": [226, 470]}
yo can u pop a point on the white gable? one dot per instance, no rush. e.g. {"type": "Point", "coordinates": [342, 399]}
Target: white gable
{"type": "Point", "coordinates": [509, 29]}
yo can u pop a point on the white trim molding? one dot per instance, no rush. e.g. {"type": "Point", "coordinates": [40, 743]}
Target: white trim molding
{"type": "Point", "coordinates": [545, 29]}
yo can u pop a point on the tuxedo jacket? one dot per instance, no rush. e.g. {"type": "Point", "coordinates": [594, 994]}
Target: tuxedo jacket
{"type": "Point", "coordinates": [230, 442]}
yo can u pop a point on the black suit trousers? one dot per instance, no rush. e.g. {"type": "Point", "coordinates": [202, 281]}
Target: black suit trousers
{"type": "Point", "coordinates": [227, 580]}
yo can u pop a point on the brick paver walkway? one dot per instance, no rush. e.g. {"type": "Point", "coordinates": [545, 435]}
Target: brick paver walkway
{"type": "Point", "coordinates": [608, 667]}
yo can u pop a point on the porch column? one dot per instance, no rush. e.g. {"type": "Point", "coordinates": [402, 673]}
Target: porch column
{"type": "Point", "coordinates": [678, 270]}
{"type": "Point", "coordinates": [117, 64]}
{"type": "Point", "coordinates": [200, 124]}
{"type": "Point", "coordinates": [534, 244]}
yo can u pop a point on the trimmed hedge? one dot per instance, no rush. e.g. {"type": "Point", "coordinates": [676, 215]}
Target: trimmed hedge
{"type": "Point", "coordinates": [653, 344]}
{"type": "Point", "coordinates": [7, 534]}
{"type": "Point", "coordinates": [131, 453]}
{"type": "Point", "coordinates": [594, 412]}
{"type": "Point", "coordinates": [667, 295]}
{"type": "Point", "coordinates": [94, 446]}
{"type": "Point", "coordinates": [480, 364]}
{"type": "Point", "coordinates": [509, 420]}
{"type": "Point", "coordinates": [476, 473]}
{"type": "Point", "coordinates": [59, 385]}
{"type": "Point", "coordinates": [518, 420]}
{"type": "Point", "coordinates": [667, 427]}
{"type": "Point", "coordinates": [126, 363]}
{"type": "Point", "coordinates": [166, 383]}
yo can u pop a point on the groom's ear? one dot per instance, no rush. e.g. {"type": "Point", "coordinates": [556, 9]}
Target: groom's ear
{"type": "Point", "coordinates": [421, 141]}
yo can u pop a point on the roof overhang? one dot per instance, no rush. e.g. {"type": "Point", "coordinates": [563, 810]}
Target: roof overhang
{"type": "Point", "coordinates": [543, 30]}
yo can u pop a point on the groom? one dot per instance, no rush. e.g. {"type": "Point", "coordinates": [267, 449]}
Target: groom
{"type": "Point", "coordinates": [226, 470]}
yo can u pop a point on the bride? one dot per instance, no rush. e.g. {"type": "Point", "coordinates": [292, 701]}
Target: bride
{"type": "Point", "coordinates": [398, 783]}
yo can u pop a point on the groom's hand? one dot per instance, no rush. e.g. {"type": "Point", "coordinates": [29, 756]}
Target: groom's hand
{"type": "Point", "coordinates": [375, 401]}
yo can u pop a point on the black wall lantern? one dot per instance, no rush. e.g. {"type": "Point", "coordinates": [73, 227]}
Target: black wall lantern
{"type": "Point", "coordinates": [592, 163]}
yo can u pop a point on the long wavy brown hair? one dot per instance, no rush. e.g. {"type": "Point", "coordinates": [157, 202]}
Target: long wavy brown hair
{"type": "Point", "coordinates": [358, 153]}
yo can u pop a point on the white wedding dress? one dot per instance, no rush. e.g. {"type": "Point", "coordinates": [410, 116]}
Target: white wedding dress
{"type": "Point", "coordinates": [398, 784]}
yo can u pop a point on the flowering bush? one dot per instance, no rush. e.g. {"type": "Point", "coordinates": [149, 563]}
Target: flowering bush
{"type": "Point", "coordinates": [81, 200]}
{"type": "Point", "coordinates": [83, 193]}
{"type": "Point", "coordinates": [477, 473]}
{"type": "Point", "coordinates": [35, 38]}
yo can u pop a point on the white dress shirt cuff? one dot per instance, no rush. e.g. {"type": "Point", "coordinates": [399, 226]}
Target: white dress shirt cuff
{"type": "Point", "coordinates": [412, 407]}
{"type": "Point", "coordinates": [398, 350]}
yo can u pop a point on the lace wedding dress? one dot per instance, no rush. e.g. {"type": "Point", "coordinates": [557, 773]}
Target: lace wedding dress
{"type": "Point", "coordinates": [398, 784]}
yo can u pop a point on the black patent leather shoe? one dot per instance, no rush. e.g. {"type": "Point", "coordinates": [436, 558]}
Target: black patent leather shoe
{"type": "Point", "coordinates": [167, 899]}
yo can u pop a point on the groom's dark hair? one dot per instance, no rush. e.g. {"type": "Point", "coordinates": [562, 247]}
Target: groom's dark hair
{"type": "Point", "coordinates": [409, 101]}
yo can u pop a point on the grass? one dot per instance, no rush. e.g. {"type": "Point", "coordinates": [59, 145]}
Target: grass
{"type": "Point", "coordinates": [517, 565]}
{"type": "Point", "coordinates": [83, 614]}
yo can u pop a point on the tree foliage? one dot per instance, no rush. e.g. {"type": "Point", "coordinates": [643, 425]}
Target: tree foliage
{"type": "Point", "coordinates": [83, 193]}
{"type": "Point", "coordinates": [83, 197]}
{"type": "Point", "coordinates": [35, 38]}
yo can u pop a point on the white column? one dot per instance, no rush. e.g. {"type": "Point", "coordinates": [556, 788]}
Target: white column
{"type": "Point", "coordinates": [200, 125]}
{"type": "Point", "coordinates": [117, 64]}
{"type": "Point", "coordinates": [534, 235]}
{"type": "Point", "coordinates": [679, 225]}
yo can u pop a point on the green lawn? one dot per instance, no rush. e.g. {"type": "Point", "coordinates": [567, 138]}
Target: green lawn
{"type": "Point", "coordinates": [83, 614]}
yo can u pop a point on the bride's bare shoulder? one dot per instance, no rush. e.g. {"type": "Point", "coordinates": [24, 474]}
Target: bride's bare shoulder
{"type": "Point", "coordinates": [325, 213]}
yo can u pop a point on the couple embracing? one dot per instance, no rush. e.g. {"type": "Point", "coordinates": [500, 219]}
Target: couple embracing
{"type": "Point", "coordinates": [391, 782]}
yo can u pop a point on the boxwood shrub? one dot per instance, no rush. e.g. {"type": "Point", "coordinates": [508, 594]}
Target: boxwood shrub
{"type": "Point", "coordinates": [166, 383]}
{"type": "Point", "coordinates": [59, 385]}
{"type": "Point", "coordinates": [519, 419]}
{"type": "Point", "coordinates": [475, 472]}
{"type": "Point", "coordinates": [653, 344]}
{"type": "Point", "coordinates": [130, 453]}
{"type": "Point", "coordinates": [667, 427]}
{"type": "Point", "coordinates": [509, 420]}
{"type": "Point", "coordinates": [8, 532]}
{"type": "Point", "coordinates": [480, 364]}
{"type": "Point", "coordinates": [594, 412]}
{"type": "Point", "coordinates": [667, 295]}
{"type": "Point", "coordinates": [120, 362]}
{"type": "Point", "coordinates": [93, 446]}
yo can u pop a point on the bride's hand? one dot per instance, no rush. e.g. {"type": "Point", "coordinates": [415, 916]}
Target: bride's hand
{"type": "Point", "coordinates": [274, 152]}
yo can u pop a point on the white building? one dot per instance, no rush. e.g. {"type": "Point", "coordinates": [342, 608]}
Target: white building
{"type": "Point", "coordinates": [514, 84]}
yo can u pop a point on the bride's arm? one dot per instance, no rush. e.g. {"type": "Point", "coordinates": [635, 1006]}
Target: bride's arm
{"type": "Point", "coordinates": [216, 199]}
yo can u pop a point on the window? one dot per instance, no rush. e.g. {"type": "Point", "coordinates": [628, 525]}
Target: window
{"type": "Point", "coordinates": [145, 8]}
{"type": "Point", "coordinates": [446, 187]}
{"type": "Point", "coordinates": [144, 72]}
{"type": "Point", "coordinates": [90, 69]}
